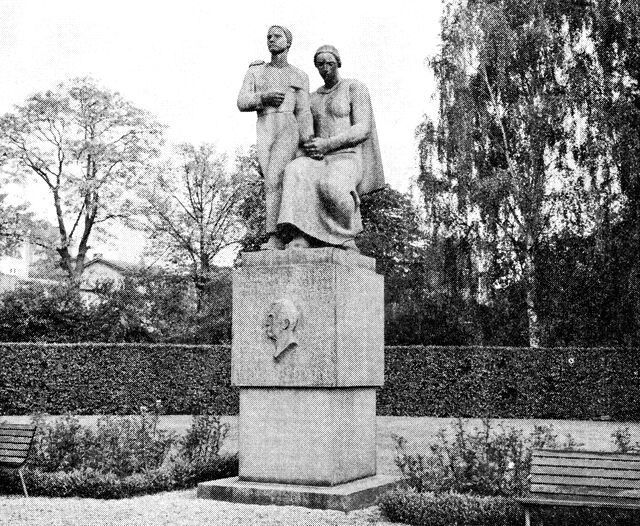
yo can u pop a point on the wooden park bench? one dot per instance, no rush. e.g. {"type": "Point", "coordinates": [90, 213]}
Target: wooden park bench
{"type": "Point", "coordinates": [15, 444]}
{"type": "Point", "coordinates": [583, 479]}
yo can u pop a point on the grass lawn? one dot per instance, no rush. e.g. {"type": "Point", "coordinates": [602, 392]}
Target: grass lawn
{"type": "Point", "coordinates": [182, 508]}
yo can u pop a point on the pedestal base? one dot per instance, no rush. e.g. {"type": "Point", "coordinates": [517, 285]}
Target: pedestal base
{"type": "Point", "coordinates": [343, 497]}
{"type": "Point", "coordinates": [318, 437]}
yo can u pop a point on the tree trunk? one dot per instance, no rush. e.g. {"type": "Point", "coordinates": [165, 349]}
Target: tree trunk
{"type": "Point", "coordinates": [531, 292]}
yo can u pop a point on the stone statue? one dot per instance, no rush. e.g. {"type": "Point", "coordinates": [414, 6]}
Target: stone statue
{"type": "Point", "coordinates": [321, 191]}
{"type": "Point", "coordinates": [279, 93]}
{"type": "Point", "coordinates": [282, 320]}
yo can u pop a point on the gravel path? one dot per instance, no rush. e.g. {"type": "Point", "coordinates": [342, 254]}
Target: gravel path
{"type": "Point", "coordinates": [179, 508]}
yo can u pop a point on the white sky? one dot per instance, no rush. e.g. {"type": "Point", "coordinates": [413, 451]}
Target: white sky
{"type": "Point", "coordinates": [185, 61]}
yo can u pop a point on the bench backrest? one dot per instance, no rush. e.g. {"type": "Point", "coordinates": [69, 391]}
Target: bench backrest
{"type": "Point", "coordinates": [15, 443]}
{"type": "Point", "coordinates": [586, 476]}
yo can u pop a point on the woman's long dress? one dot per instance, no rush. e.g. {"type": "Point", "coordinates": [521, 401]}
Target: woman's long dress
{"type": "Point", "coordinates": [322, 197]}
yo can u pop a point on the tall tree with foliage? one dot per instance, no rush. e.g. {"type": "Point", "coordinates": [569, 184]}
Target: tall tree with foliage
{"type": "Point", "coordinates": [504, 129]}
{"type": "Point", "coordinates": [607, 96]}
{"type": "Point", "coordinates": [190, 211]}
{"type": "Point", "coordinates": [89, 147]}
{"type": "Point", "coordinates": [252, 210]}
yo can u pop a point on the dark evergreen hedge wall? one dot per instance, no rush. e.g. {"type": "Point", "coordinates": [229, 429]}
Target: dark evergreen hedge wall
{"type": "Point", "coordinates": [507, 382]}
{"type": "Point", "coordinates": [114, 378]}
{"type": "Point", "coordinates": [565, 383]}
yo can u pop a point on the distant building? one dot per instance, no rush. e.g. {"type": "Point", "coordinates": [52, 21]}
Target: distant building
{"type": "Point", "coordinates": [18, 266]}
{"type": "Point", "coordinates": [15, 269]}
{"type": "Point", "coordinates": [100, 270]}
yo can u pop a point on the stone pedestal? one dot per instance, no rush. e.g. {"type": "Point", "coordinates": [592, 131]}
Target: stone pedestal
{"type": "Point", "coordinates": [307, 355]}
{"type": "Point", "coordinates": [307, 436]}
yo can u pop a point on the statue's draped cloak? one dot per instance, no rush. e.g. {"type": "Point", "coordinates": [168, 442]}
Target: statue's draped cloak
{"type": "Point", "coordinates": [373, 173]}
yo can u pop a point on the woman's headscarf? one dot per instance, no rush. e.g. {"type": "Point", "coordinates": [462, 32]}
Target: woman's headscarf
{"type": "Point", "coordinates": [328, 49]}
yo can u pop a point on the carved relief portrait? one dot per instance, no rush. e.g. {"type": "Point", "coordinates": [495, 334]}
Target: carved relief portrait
{"type": "Point", "coordinates": [281, 322]}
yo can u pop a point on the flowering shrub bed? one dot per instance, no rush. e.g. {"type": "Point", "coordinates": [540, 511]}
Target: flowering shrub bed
{"type": "Point", "coordinates": [121, 457]}
{"type": "Point", "coordinates": [473, 477]}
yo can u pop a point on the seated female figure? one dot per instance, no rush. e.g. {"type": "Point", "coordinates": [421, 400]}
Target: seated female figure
{"type": "Point", "coordinates": [321, 191]}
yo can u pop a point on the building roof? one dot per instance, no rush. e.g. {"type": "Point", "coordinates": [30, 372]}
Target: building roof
{"type": "Point", "coordinates": [122, 266]}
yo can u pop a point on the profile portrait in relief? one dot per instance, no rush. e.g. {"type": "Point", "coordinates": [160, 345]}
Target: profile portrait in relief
{"type": "Point", "coordinates": [281, 322]}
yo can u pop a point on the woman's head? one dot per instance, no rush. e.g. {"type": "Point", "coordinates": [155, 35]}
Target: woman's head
{"type": "Point", "coordinates": [327, 61]}
{"type": "Point", "coordinates": [327, 48]}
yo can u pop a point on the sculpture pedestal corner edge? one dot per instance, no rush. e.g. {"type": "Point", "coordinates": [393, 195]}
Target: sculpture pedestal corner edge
{"type": "Point", "coordinates": [346, 497]}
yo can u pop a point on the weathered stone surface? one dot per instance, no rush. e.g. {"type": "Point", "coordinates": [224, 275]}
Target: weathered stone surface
{"type": "Point", "coordinates": [345, 497]}
{"type": "Point", "coordinates": [306, 256]}
{"type": "Point", "coordinates": [340, 330]}
{"type": "Point", "coordinates": [312, 436]}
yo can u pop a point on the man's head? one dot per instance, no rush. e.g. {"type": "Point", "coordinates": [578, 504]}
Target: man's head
{"type": "Point", "coordinates": [279, 39]}
{"type": "Point", "coordinates": [282, 319]}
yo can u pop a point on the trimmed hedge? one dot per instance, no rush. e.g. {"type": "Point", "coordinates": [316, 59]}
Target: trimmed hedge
{"type": "Point", "coordinates": [455, 509]}
{"type": "Point", "coordinates": [100, 378]}
{"type": "Point", "coordinates": [94, 484]}
{"type": "Point", "coordinates": [447, 509]}
{"type": "Point", "coordinates": [497, 382]}
{"type": "Point", "coordinates": [507, 382]}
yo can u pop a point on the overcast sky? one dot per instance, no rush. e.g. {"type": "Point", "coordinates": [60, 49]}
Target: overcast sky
{"type": "Point", "coordinates": [185, 61]}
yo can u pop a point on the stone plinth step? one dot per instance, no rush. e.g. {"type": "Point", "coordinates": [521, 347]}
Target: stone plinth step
{"type": "Point", "coordinates": [346, 497]}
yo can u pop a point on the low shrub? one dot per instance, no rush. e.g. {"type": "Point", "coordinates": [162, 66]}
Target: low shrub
{"type": "Point", "coordinates": [473, 478]}
{"type": "Point", "coordinates": [623, 441]}
{"type": "Point", "coordinates": [121, 457]}
{"type": "Point", "coordinates": [453, 509]}
{"type": "Point", "coordinates": [484, 461]}
{"type": "Point", "coordinates": [119, 445]}
{"type": "Point", "coordinates": [449, 509]}
{"type": "Point", "coordinates": [582, 516]}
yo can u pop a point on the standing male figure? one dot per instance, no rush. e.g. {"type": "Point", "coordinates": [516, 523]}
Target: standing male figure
{"type": "Point", "coordinates": [279, 93]}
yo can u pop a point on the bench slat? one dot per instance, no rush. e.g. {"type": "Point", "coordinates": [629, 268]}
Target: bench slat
{"type": "Point", "coordinates": [584, 478]}
{"type": "Point", "coordinates": [586, 463]}
{"type": "Point", "coordinates": [15, 440]}
{"type": "Point", "coordinates": [550, 453]}
{"type": "Point", "coordinates": [11, 463]}
{"type": "Point", "coordinates": [571, 471]}
{"type": "Point", "coordinates": [15, 433]}
{"type": "Point", "coordinates": [593, 491]}
{"type": "Point", "coordinates": [577, 500]}
{"type": "Point", "coordinates": [12, 453]}
{"type": "Point", "coordinates": [15, 447]}
{"type": "Point", "coordinates": [585, 481]}
{"type": "Point", "coordinates": [7, 425]}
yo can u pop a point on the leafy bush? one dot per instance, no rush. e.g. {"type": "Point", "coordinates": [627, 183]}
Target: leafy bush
{"type": "Point", "coordinates": [449, 509]}
{"type": "Point", "coordinates": [148, 306]}
{"type": "Point", "coordinates": [473, 477]}
{"type": "Point", "coordinates": [203, 439]}
{"type": "Point", "coordinates": [119, 445]}
{"type": "Point", "coordinates": [121, 457]}
{"type": "Point", "coordinates": [622, 440]}
{"type": "Point", "coordinates": [485, 461]}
